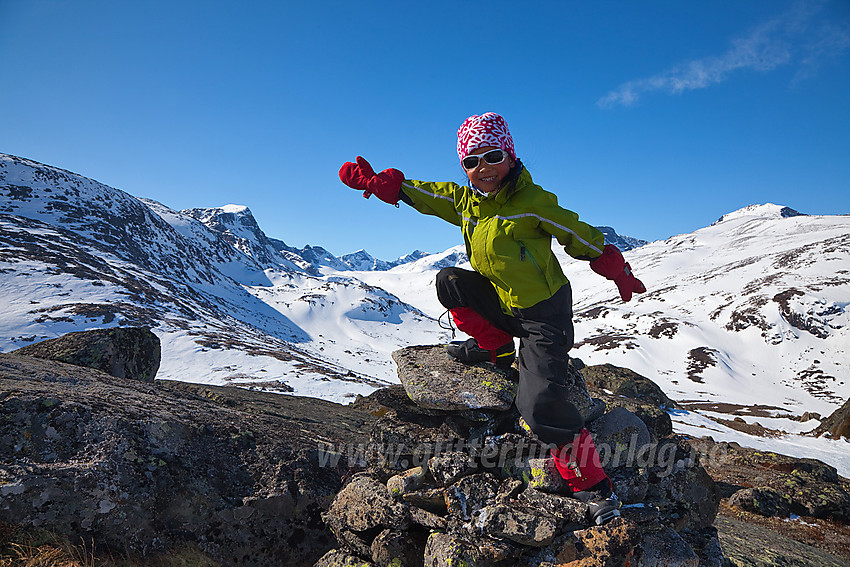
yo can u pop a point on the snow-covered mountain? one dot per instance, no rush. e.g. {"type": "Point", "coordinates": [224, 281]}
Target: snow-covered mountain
{"type": "Point", "coordinates": [752, 308]}
{"type": "Point", "coordinates": [624, 243]}
{"type": "Point", "coordinates": [745, 320]}
{"type": "Point", "coordinates": [229, 304]}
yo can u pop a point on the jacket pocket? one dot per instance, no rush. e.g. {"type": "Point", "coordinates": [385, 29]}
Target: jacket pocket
{"type": "Point", "coordinates": [524, 253]}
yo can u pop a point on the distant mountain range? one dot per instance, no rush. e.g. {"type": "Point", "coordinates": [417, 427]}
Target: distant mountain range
{"type": "Point", "coordinates": [236, 226]}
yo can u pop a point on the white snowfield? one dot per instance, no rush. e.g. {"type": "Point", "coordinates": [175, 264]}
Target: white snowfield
{"type": "Point", "coordinates": [750, 311]}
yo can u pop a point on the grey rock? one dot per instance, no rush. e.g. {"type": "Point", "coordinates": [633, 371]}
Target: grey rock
{"type": "Point", "coordinates": [361, 508]}
{"type": "Point", "coordinates": [122, 352]}
{"type": "Point", "coordinates": [541, 474]}
{"type": "Point", "coordinates": [444, 549]}
{"type": "Point", "coordinates": [434, 381]}
{"type": "Point", "coordinates": [570, 510]}
{"type": "Point", "coordinates": [517, 525]}
{"type": "Point", "coordinates": [836, 424]}
{"type": "Point", "coordinates": [611, 545]}
{"type": "Point", "coordinates": [656, 418]}
{"type": "Point", "coordinates": [706, 544]}
{"type": "Point", "coordinates": [144, 467]}
{"type": "Point", "coordinates": [630, 484]}
{"type": "Point", "coordinates": [471, 493]}
{"type": "Point", "coordinates": [619, 437]}
{"type": "Point", "coordinates": [681, 488]}
{"type": "Point", "coordinates": [427, 519]}
{"type": "Point", "coordinates": [665, 548]}
{"type": "Point", "coordinates": [805, 487]}
{"type": "Point", "coordinates": [509, 490]}
{"type": "Point", "coordinates": [749, 544]}
{"type": "Point", "coordinates": [408, 481]}
{"type": "Point", "coordinates": [627, 383]}
{"type": "Point", "coordinates": [339, 558]}
{"type": "Point", "coordinates": [764, 501]}
{"type": "Point", "coordinates": [446, 468]}
{"type": "Point", "coordinates": [430, 499]}
{"type": "Point", "coordinates": [393, 548]}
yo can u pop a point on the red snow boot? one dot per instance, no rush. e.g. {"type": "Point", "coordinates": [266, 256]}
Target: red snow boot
{"type": "Point", "coordinates": [580, 466]}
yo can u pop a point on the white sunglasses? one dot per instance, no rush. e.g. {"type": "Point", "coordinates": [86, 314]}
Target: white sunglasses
{"type": "Point", "coordinates": [492, 157]}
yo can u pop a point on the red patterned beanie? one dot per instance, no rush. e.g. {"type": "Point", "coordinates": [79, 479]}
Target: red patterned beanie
{"type": "Point", "coordinates": [489, 129]}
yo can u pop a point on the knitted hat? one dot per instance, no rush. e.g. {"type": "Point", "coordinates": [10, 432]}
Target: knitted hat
{"type": "Point", "coordinates": [489, 129]}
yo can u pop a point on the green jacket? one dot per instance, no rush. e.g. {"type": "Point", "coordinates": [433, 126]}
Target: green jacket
{"type": "Point", "coordinates": [508, 235]}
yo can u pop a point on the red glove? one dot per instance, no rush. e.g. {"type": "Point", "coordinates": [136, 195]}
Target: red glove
{"type": "Point", "coordinates": [386, 185]}
{"type": "Point", "coordinates": [613, 266]}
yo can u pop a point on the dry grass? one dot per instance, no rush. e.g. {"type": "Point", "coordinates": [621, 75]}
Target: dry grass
{"type": "Point", "coordinates": [32, 547]}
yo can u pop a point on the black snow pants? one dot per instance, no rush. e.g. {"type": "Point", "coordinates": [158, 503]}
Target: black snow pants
{"type": "Point", "coordinates": [545, 332]}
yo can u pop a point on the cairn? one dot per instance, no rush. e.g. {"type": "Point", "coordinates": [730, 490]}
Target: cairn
{"type": "Point", "coordinates": [450, 478]}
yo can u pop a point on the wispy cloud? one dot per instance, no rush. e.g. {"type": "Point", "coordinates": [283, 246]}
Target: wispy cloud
{"type": "Point", "coordinates": [799, 37]}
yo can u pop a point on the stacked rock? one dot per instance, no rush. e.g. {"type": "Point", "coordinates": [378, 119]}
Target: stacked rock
{"type": "Point", "coordinates": [451, 479]}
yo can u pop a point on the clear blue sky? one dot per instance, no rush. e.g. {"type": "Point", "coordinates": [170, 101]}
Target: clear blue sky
{"type": "Point", "coordinates": [651, 117]}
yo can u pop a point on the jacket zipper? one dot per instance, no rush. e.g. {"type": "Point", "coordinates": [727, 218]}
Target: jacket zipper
{"type": "Point", "coordinates": [522, 252]}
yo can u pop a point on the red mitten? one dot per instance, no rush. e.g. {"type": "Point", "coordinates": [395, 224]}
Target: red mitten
{"type": "Point", "coordinates": [386, 185]}
{"type": "Point", "coordinates": [627, 283]}
{"type": "Point", "coordinates": [613, 266]}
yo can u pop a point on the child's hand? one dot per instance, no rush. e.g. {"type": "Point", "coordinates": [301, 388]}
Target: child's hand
{"type": "Point", "coordinates": [613, 266]}
{"type": "Point", "coordinates": [386, 185]}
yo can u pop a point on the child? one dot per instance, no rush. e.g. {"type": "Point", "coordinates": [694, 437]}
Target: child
{"type": "Point", "coordinates": [518, 288]}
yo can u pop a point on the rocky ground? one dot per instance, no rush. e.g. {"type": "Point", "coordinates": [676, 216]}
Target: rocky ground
{"type": "Point", "coordinates": [142, 468]}
{"type": "Point", "coordinates": [779, 535]}
{"type": "Point", "coordinates": [252, 478]}
{"type": "Point", "coordinates": [750, 538]}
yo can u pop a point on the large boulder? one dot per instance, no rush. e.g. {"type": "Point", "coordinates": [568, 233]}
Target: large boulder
{"type": "Point", "coordinates": [140, 468]}
{"type": "Point", "coordinates": [624, 382]}
{"type": "Point", "coordinates": [123, 352]}
{"type": "Point", "coordinates": [449, 385]}
{"type": "Point", "coordinates": [362, 510]}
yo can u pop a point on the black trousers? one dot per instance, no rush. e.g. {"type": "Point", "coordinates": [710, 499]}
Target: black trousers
{"type": "Point", "coordinates": [545, 332]}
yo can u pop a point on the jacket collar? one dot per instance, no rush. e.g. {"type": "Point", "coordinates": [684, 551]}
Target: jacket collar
{"type": "Point", "coordinates": [504, 194]}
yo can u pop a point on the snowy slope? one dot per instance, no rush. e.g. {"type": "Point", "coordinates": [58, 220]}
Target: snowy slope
{"type": "Point", "coordinates": [752, 308]}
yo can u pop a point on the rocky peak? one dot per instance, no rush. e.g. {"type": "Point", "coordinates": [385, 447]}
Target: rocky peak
{"type": "Point", "coordinates": [237, 226]}
{"type": "Point", "coordinates": [363, 261]}
{"type": "Point", "coordinates": [624, 243]}
{"type": "Point", "coordinates": [765, 211]}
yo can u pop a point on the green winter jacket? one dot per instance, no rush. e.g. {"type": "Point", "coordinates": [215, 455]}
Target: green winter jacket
{"type": "Point", "coordinates": [508, 235]}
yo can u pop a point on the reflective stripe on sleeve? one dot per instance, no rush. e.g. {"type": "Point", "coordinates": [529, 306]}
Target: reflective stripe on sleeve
{"type": "Point", "coordinates": [565, 229]}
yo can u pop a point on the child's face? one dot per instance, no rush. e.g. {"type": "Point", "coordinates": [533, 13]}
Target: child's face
{"type": "Point", "coordinates": [488, 177]}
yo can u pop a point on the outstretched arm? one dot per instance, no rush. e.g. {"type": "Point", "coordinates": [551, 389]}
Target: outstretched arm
{"type": "Point", "coordinates": [430, 198]}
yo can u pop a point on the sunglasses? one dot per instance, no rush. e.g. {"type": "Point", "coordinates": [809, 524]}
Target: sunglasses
{"type": "Point", "coordinates": [492, 157]}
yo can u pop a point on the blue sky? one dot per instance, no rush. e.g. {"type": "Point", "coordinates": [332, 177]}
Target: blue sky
{"type": "Point", "coordinates": [652, 117]}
